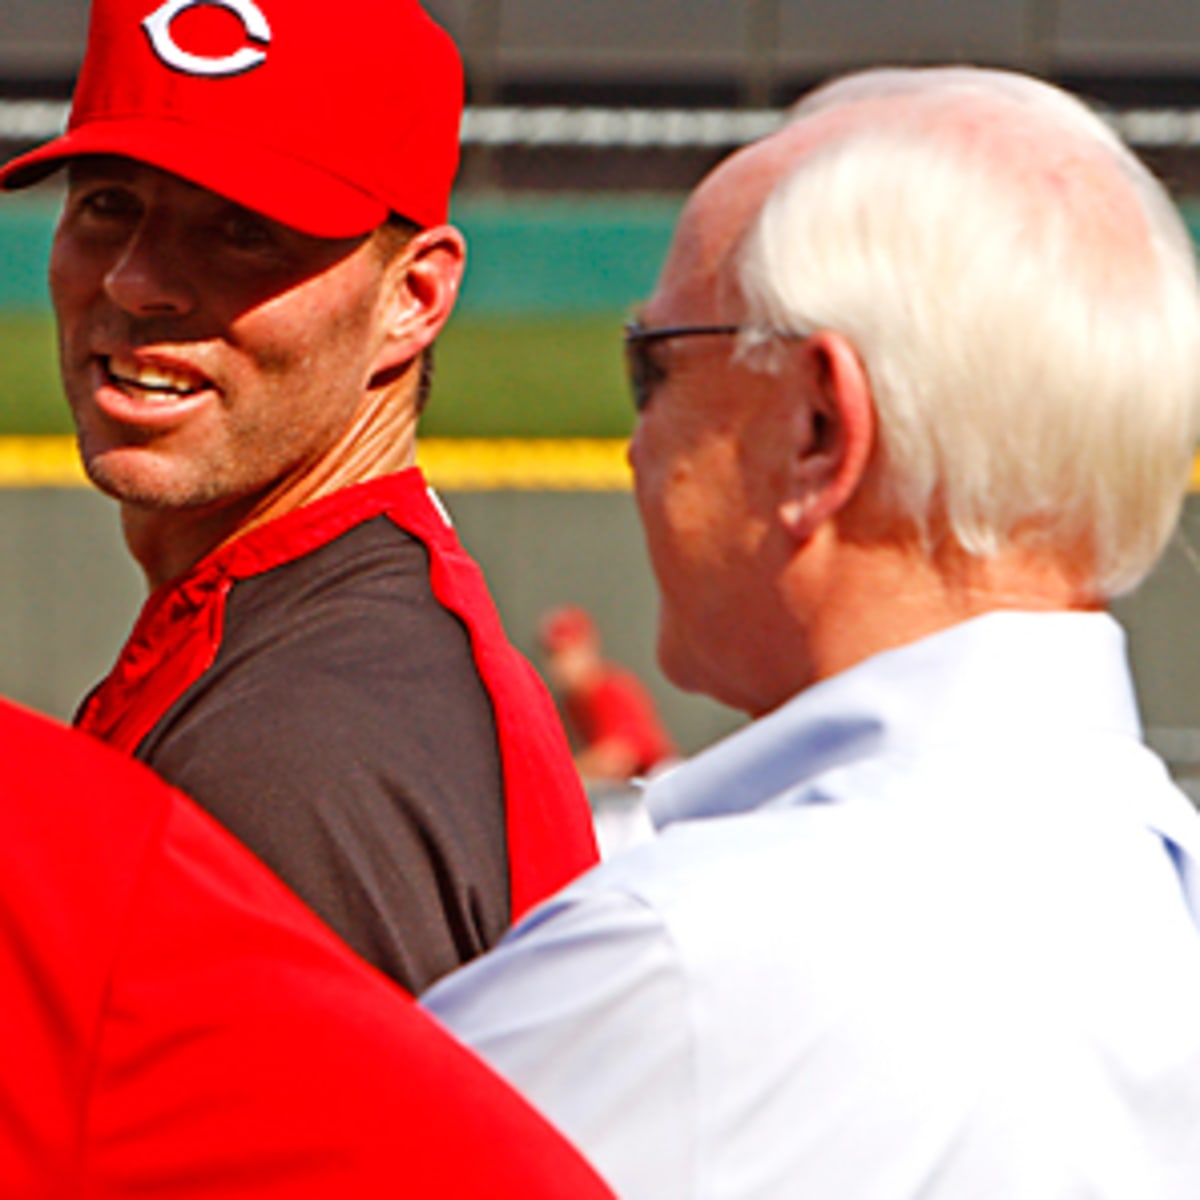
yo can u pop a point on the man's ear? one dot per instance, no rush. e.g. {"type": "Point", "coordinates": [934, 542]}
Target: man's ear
{"type": "Point", "coordinates": [421, 286]}
{"type": "Point", "coordinates": [833, 432]}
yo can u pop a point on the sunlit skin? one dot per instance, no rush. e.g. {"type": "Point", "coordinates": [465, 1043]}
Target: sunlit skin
{"type": "Point", "coordinates": [223, 369]}
{"type": "Point", "coordinates": [756, 490]}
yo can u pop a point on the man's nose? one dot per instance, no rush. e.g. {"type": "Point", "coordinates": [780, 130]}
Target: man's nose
{"type": "Point", "coordinates": [148, 277]}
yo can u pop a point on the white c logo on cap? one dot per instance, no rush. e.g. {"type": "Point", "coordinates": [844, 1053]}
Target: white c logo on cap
{"type": "Point", "coordinates": [158, 30]}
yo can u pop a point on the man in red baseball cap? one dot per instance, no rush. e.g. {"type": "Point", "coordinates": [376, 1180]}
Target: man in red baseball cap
{"type": "Point", "coordinates": [250, 270]}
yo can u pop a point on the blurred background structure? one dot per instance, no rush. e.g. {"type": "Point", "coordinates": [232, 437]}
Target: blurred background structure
{"type": "Point", "coordinates": [646, 94]}
{"type": "Point", "coordinates": [586, 125]}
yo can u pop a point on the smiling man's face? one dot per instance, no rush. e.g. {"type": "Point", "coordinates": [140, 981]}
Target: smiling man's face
{"type": "Point", "coordinates": [210, 357]}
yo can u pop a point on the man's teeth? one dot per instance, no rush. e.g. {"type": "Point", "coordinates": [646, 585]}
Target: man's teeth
{"type": "Point", "coordinates": [147, 377]}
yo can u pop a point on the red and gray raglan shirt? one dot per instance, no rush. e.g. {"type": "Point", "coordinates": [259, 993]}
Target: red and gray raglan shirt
{"type": "Point", "coordinates": [336, 689]}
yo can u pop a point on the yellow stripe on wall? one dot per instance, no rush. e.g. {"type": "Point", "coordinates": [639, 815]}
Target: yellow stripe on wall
{"type": "Point", "coordinates": [453, 464]}
{"type": "Point", "coordinates": [486, 464]}
{"type": "Point", "coordinates": [40, 462]}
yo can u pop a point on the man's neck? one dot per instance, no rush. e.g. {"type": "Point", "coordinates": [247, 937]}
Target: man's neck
{"type": "Point", "coordinates": [872, 597]}
{"type": "Point", "coordinates": [924, 597]}
{"type": "Point", "coordinates": [168, 542]}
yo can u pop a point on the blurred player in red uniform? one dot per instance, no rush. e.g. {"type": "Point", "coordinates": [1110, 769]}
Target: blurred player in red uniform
{"type": "Point", "coordinates": [617, 728]}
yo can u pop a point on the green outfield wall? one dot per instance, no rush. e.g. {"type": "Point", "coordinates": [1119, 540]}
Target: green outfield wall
{"type": "Point", "coordinates": [537, 257]}
{"type": "Point", "coordinates": [554, 256]}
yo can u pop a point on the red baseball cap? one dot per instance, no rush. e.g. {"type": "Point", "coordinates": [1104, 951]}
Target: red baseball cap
{"type": "Point", "coordinates": [325, 117]}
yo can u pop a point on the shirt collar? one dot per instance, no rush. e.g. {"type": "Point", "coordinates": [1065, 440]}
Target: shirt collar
{"type": "Point", "coordinates": [1028, 671]}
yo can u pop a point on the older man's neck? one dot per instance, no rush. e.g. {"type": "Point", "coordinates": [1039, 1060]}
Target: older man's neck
{"type": "Point", "coordinates": [895, 599]}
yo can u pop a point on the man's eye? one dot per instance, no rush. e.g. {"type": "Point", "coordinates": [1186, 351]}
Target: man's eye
{"type": "Point", "coordinates": [245, 231]}
{"type": "Point", "coordinates": [109, 203]}
{"type": "Point", "coordinates": [653, 371]}
{"type": "Point", "coordinates": [646, 372]}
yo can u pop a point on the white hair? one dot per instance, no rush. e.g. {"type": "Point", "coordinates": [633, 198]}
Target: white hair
{"type": "Point", "coordinates": [1023, 295]}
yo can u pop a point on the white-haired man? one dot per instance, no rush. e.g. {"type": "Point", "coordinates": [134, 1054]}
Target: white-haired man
{"type": "Point", "coordinates": [918, 392]}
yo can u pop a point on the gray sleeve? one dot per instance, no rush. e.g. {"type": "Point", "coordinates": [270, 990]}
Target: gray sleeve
{"type": "Point", "coordinates": [344, 735]}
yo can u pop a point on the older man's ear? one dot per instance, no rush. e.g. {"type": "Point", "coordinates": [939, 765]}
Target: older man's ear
{"type": "Point", "coordinates": [832, 432]}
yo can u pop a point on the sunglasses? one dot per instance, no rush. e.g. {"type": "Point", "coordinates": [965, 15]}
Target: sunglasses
{"type": "Point", "coordinates": [645, 374]}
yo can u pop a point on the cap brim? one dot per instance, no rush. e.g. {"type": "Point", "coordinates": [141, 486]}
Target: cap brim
{"type": "Point", "coordinates": [278, 186]}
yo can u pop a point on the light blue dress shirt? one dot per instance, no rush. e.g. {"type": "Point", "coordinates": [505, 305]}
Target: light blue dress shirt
{"type": "Point", "coordinates": [929, 930]}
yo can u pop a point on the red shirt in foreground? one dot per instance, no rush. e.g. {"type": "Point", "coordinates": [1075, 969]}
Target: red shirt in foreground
{"type": "Point", "coordinates": [178, 1025]}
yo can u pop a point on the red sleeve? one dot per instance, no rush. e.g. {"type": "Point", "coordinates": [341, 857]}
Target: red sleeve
{"type": "Point", "coordinates": [619, 707]}
{"type": "Point", "coordinates": [551, 838]}
{"type": "Point", "coordinates": [178, 1025]}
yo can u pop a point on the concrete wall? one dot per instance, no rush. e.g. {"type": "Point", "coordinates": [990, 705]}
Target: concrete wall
{"type": "Point", "coordinates": [530, 40]}
{"type": "Point", "coordinates": [68, 595]}
{"type": "Point", "coordinates": [519, 41]}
